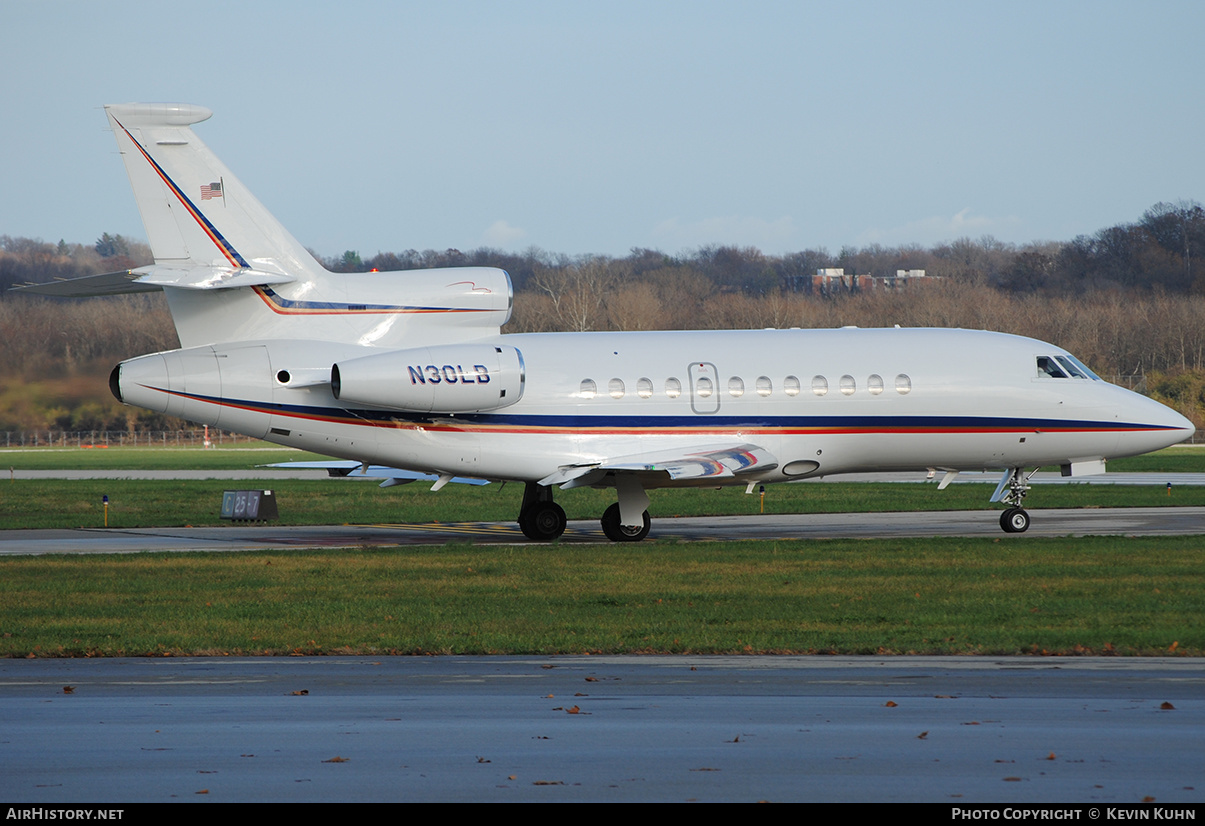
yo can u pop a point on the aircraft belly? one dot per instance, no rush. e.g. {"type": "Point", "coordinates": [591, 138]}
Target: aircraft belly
{"type": "Point", "coordinates": [901, 452]}
{"type": "Point", "coordinates": [315, 434]}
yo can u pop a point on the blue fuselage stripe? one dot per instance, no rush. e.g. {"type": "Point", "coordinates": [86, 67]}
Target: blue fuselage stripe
{"type": "Point", "coordinates": [925, 424]}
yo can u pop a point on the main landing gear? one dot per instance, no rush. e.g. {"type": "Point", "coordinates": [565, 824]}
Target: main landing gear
{"type": "Point", "coordinates": [540, 519]}
{"type": "Point", "coordinates": [1015, 519]}
{"type": "Point", "coordinates": [628, 519]}
{"type": "Point", "coordinates": [618, 532]}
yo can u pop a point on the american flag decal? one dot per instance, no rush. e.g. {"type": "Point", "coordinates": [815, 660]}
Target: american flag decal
{"type": "Point", "coordinates": [213, 190]}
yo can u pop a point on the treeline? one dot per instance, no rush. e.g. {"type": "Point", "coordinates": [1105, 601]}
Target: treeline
{"type": "Point", "coordinates": [1129, 300]}
{"type": "Point", "coordinates": [55, 356]}
{"type": "Point", "coordinates": [1164, 249]}
{"type": "Point", "coordinates": [34, 261]}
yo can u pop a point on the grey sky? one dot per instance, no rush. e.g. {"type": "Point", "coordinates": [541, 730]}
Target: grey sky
{"type": "Point", "coordinates": [594, 128]}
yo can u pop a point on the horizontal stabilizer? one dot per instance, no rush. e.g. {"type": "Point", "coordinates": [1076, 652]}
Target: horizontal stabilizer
{"type": "Point", "coordinates": [713, 462]}
{"type": "Point", "coordinates": [391, 475]}
{"type": "Point", "coordinates": [209, 278]}
{"type": "Point", "coordinates": [109, 283]}
{"type": "Point", "coordinates": [152, 278]}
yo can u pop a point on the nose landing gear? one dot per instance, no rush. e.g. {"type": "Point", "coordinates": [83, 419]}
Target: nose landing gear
{"type": "Point", "coordinates": [1015, 519]}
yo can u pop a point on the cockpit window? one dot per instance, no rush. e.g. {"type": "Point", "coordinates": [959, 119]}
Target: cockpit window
{"type": "Point", "coordinates": [1064, 366]}
{"type": "Point", "coordinates": [1048, 367]}
{"type": "Point", "coordinates": [1070, 367]}
{"type": "Point", "coordinates": [1083, 367]}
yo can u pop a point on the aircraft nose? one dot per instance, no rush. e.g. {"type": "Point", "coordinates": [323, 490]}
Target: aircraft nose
{"type": "Point", "coordinates": [1164, 426]}
{"type": "Point", "coordinates": [1183, 426]}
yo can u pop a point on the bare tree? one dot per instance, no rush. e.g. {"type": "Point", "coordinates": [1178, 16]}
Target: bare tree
{"type": "Point", "coordinates": [579, 291]}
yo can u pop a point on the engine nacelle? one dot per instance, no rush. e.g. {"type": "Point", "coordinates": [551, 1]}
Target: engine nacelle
{"type": "Point", "coordinates": [453, 378]}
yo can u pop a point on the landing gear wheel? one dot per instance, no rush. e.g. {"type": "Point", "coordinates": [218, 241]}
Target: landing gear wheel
{"type": "Point", "coordinates": [623, 533]}
{"type": "Point", "coordinates": [1014, 520]}
{"type": "Point", "coordinates": [543, 521]}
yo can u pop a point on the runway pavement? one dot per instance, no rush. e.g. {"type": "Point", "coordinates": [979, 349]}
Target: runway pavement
{"type": "Point", "coordinates": [1051, 522]}
{"type": "Point", "coordinates": [1108, 732]}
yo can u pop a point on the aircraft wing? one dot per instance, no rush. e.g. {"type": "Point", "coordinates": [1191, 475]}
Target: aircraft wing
{"type": "Point", "coordinates": [659, 468]}
{"type": "Point", "coordinates": [155, 277]}
{"type": "Point", "coordinates": [391, 475]}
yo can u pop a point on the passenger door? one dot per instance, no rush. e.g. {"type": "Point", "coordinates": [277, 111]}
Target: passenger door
{"type": "Point", "coordinates": [704, 387]}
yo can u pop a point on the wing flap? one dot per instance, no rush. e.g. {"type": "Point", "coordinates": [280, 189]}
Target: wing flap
{"type": "Point", "coordinates": [710, 462]}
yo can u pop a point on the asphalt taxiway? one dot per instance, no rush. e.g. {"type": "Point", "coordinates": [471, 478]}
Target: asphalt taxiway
{"type": "Point", "coordinates": [1109, 732]}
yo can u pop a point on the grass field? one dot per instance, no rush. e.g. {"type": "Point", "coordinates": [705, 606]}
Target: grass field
{"type": "Point", "coordinates": [1101, 595]}
{"type": "Point", "coordinates": [1094, 595]}
{"type": "Point", "coordinates": [236, 456]}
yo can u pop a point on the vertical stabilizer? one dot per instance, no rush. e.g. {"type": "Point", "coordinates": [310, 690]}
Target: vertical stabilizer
{"type": "Point", "coordinates": [232, 273]}
{"type": "Point", "coordinates": [196, 213]}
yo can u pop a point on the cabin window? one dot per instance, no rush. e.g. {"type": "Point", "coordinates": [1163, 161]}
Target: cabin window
{"type": "Point", "coordinates": [615, 388]}
{"type": "Point", "coordinates": [819, 385]}
{"type": "Point", "coordinates": [588, 390]}
{"type": "Point", "coordinates": [790, 386]}
{"type": "Point", "coordinates": [644, 388]}
{"type": "Point", "coordinates": [704, 388]}
{"type": "Point", "coordinates": [764, 386]}
{"type": "Point", "coordinates": [903, 384]}
{"type": "Point", "coordinates": [875, 384]}
{"type": "Point", "coordinates": [736, 387]}
{"type": "Point", "coordinates": [848, 385]}
{"type": "Point", "coordinates": [673, 388]}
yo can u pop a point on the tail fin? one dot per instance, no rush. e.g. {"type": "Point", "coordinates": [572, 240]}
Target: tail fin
{"type": "Point", "coordinates": [231, 272]}
{"type": "Point", "coordinates": [196, 213]}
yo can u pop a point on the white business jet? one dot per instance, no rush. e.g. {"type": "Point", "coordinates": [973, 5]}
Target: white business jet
{"type": "Point", "coordinates": [406, 375]}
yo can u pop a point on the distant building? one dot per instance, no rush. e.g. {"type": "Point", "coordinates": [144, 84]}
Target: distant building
{"type": "Point", "coordinates": [833, 280]}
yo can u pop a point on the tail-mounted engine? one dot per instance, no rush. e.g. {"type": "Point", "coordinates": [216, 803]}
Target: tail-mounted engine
{"type": "Point", "coordinates": [455, 378]}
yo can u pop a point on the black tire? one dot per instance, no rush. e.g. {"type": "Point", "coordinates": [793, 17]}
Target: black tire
{"type": "Point", "coordinates": [623, 533]}
{"type": "Point", "coordinates": [1014, 520]}
{"type": "Point", "coordinates": [543, 522]}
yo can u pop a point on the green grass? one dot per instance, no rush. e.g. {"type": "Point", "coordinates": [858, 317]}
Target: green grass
{"type": "Point", "coordinates": [1178, 459]}
{"type": "Point", "coordinates": [232, 456]}
{"type": "Point", "coordinates": [1101, 595]}
{"type": "Point", "coordinates": [136, 503]}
